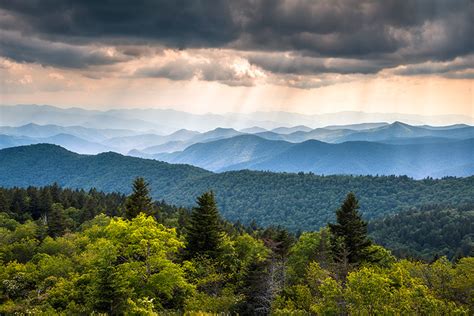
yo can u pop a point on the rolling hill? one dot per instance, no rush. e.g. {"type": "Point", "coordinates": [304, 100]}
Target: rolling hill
{"type": "Point", "coordinates": [168, 147]}
{"type": "Point", "coordinates": [90, 134]}
{"type": "Point", "coordinates": [297, 201]}
{"type": "Point", "coordinates": [360, 158]}
{"type": "Point", "coordinates": [44, 163]}
{"type": "Point", "coordinates": [289, 130]}
{"type": "Point", "coordinates": [357, 127]}
{"type": "Point", "coordinates": [220, 154]}
{"type": "Point", "coordinates": [146, 142]}
{"type": "Point", "coordinates": [401, 130]}
{"type": "Point", "coordinates": [67, 141]}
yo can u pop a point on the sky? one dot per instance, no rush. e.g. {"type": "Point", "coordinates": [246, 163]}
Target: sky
{"type": "Point", "coordinates": [302, 56]}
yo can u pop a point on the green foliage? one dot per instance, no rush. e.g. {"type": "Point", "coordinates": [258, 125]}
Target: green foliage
{"type": "Point", "coordinates": [56, 220]}
{"type": "Point", "coordinates": [100, 268]}
{"type": "Point", "coordinates": [221, 303]}
{"type": "Point", "coordinates": [140, 200]}
{"type": "Point", "coordinates": [330, 298]}
{"type": "Point", "coordinates": [111, 265]}
{"type": "Point", "coordinates": [379, 255]}
{"type": "Point", "coordinates": [311, 246]}
{"type": "Point", "coordinates": [350, 233]}
{"type": "Point", "coordinates": [427, 232]}
{"type": "Point", "coordinates": [77, 205]}
{"type": "Point", "coordinates": [393, 291]}
{"type": "Point", "coordinates": [204, 231]}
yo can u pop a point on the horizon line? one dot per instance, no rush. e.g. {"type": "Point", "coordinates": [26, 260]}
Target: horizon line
{"type": "Point", "coordinates": [233, 113]}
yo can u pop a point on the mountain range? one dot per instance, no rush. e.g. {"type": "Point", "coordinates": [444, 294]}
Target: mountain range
{"type": "Point", "coordinates": [359, 149]}
{"type": "Point", "coordinates": [358, 158]}
{"type": "Point", "coordinates": [295, 200]}
{"type": "Point", "coordinates": [166, 121]}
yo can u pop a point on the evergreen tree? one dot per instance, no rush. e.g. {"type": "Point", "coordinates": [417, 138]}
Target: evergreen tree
{"type": "Point", "coordinates": [255, 289]}
{"type": "Point", "coordinates": [140, 200]}
{"type": "Point", "coordinates": [4, 205]}
{"type": "Point", "coordinates": [19, 202]}
{"type": "Point", "coordinates": [45, 201]}
{"type": "Point", "coordinates": [349, 235]}
{"type": "Point", "coordinates": [35, 204]}
{"type": "Point", "coordinates": [55, 190]}
{"type": "Point", "coordinates": [204, 231]}
{"type": "Point", "coordinates": [56, 221]}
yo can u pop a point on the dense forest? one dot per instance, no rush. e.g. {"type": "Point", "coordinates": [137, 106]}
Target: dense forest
{"type": "Point", "coordinates": [266, 197]}
{"type": "Point", "coordinates": [65, 251]}
{"type": "Point", "coordinates": [427, 232]}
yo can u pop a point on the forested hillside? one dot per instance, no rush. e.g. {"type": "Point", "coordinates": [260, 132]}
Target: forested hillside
{"type": "Point", "coordinates": [427, 232]}
{"type": "Point", "coordinates": [297, 201]}
{"type": "Point", "coordinates": [70, 252]}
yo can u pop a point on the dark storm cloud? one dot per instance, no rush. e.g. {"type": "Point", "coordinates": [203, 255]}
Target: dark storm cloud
{"type": "Point", "coordinates": [178, 23]}
{"type": "Point", "coordinates": [16, 47]}
{"type": "Point", "coordinates": [366, 36]}
{"type": "Point", "coordinates": [362, 28]}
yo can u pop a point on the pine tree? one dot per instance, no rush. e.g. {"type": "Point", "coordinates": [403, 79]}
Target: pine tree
{"type": "Point", "coordinates": [35, 204]}
{"type": "Point", "coordinates": [349, 235]}
{"type": "Point", "coordinates": [204, 231]}
{"type": "Point", "coordinates": [139, 201]}
{"type": "Point", "coordinates": [56, 221]}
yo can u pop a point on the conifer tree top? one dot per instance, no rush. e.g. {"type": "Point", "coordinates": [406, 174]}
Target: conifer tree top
{"type": "Point", "coordinates": [350, 231]}
{"type": "Point", "coordinates": [204, 231]}
{"type": "Point", "coordinates": [140, 200]}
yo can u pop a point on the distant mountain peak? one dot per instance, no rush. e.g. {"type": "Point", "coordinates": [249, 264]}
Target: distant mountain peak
{"type": "Point", "coordinates": [30, 125]}
{"type": "Point", "coordinates": [398, 123]}
{"type": "Point", "coordinates": [222, 129]}
{"type": "Point", "coordinates": [183, 131]}
{"type": "Point", "coordinates": [41, 147]}
{"type": "Point", "coordinates": [109, 154]}
{"type": "Point", "coordinates": [293, 129]}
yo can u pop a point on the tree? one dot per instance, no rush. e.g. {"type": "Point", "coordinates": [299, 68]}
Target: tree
{"type": "Point", "coordinates": [4, 205]}
{"type": "Point", "coordinates": [109, 287]}
{"type": "Point", "coordinates": [350, 232]}
{"type": "Point", "coordinates": [204, 231]}
{"type": "Point", "coordinates": [56, 221]}
{"type": "Point", "coordinates": [257, 297]}
{"type": "Point", "coordinates": [311, 246]}
{"type": "Point", "coordinates": [45, 202]}
{"type": "Point", "coordinates": [140, 200]}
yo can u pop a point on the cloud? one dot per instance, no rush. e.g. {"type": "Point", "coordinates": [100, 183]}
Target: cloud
{"type": "Point", "coordinates": [175, 70]}
{"type": "Point", "coordinates": [16, 47]}
{"type": "Point", "coordinates": [366, 29]}
{"type": "Point", "coordinates": [329, 27]}
{"type": "Point", "coordinates": [206, 66]}
{"type": "Point", "coordinates": [284, 63]}
{"type": "Point", "coordinates": [178, 23]}
{"type": "Point", "coordinates": [460, 67]}
{"type": "Point", "coordinates": [294, 41]}
{"type": "Point", "coordinates": [30, 78]}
